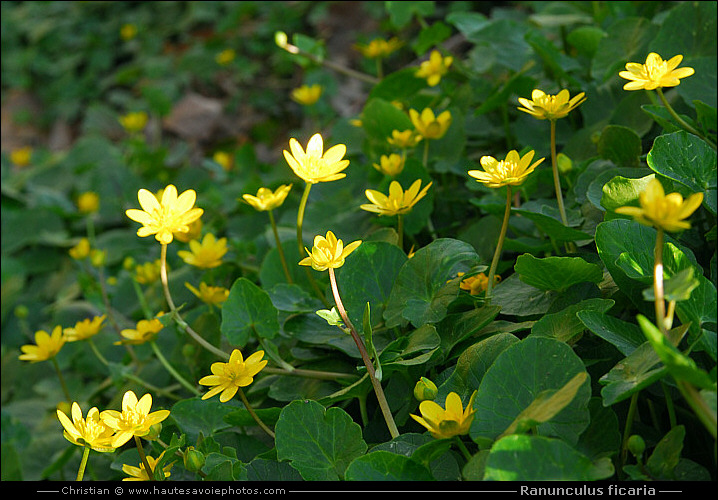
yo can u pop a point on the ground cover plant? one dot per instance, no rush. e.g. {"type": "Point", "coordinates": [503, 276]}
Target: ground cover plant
{"type": "Point", "coordinates": [359, 241]}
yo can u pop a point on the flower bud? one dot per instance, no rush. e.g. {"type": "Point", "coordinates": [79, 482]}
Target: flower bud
{"type": "Point", "coordinates": [636, 445]}
{"type": "Point", "coordinates": [564, 163]}
{"type": "Point", "coordinates": [193, 459]}
{"type": "Point", "coordinates": [21, 312]}
{"type": "Point", "coordinates": [425, 389]}
{"type": "Point", "coordinates": [154, 432]}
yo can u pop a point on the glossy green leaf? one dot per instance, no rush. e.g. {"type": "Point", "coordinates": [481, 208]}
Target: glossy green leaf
{"type": "Point", "coordinates": [565, 325]}
{"type": "Point", "coordinates": [687, 159]}
{"type": "Point", "coordinates": [621, 191]}
{"type": "Point", "coordinates": [621, 145]}
{"type": "Point", "coordinates": [537, 458]}
{"type": "Point", "coordinates": [261, 469]}
{"type": "Point", "coordinates": [556, 273]}
{"type": "Point", "coordinates": [248, 313]}
{"type": "Point", "coordinates": [320, 443]}
{"type": "Point", "coordinates": [518, 376]}
{"type": "Point", "coordinates": [626, 337]}
{"type": "Point", "coordinates": [553, 227]}
{"type": "Point", "coordinates": [385, 466]}
{"type": "Point", "coordinates": [195, 416]}
{"type": "Point", "coordinates": [421, 294]}
{"type": "Point", "coordinates": [380, 117]}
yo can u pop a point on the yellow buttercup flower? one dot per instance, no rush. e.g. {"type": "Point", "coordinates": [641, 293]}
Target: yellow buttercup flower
{"type": "Point", "coordinates": [445, 423]}
{"type": "Point", "coordinates": [511, 171]}
{"type": "Point", "coordinates": [306, 95]}
{"type": "Point", "coordinates": [128, 31]}
{"type": "Point", "coordinates": [228, 377]}
{"type": "Point", "coordinates": [140, 473]}
{"type": "Point", "coordinates": [88, 202]}
{"type": "Point", "coordinates": [145, 331]}
{"type": "Point", "coordinates": [46, 346]}
{"type": "Point", "coordinates": [224, 159]}
{"type": "Point", "coordinates": [21, 156]}
{"type": "Point", "coordinates": [429, 125]}
{"type": "Point", "coordinates": [328, 252]}
{"type": "Point", "coordinates": [81, 250]}
{"type": "Point", "coordinates": [655, 73]}
{"type": "Point", "coordinates": [225, 57]}
{"type": "Point", "coordinates": [433, 69]}
{"type": "Point", "coordinates": [476, 284]}
{"type": "Point", "coordinates": [267, 199]}
{"type": "Point", "coordinates": [663, 211]}
{"type": "Point", "coordinates": [134, 122]}
{"type": "Point", "coordinates": [195, 230]}
{"type": "Point", "coordinates": [398, 202]}
{"type": "Point", "coordinates": [404, 138]}
{"type": "Point", "coordinates": [207, 254]}
{"type": "Point", "coordinates": [212, 295]}
{"type": "Point", "coordinates": [379, 48]}
{"type": "Point", "coordinates": [90, 431]}
{"type": "Point", "coordinates": [134, 420]}
{"type": "Point", "coordinates": [550, 107]}
{"type": "Point", "coordinates": [84, 329]}
{"type": "Point", "coordinates": [391, 165]}
{"type": "Point", "coordinates": [171, 214]}
{"type": "Point", "coordinates": [315, 165]}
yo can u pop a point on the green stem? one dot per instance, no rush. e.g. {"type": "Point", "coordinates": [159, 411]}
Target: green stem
{"type": "Point", "coordinates": [175, 314]}
{"type": "Point", "coordinates": [256, 418]}
{"type": "Point", "coordinates": [142, 300]}
{"type": "Point", "coordinates": [97, 352]}
{"type": "Point", "coordinates": [660, 304]}
{"type": "Point", "coordinates": [499, 246]}
{"type": "Point", "coordinates": [383, 404]}
{"type": "Point", "coordinates": [705, 414]}
{"type": "Point", "coordinates": [300, 242]}
{"type": "Point", "coordinates": [83, 463]}
{"type": "Point", "coordinates": [315, 374]}
{"type": "Point", "coordinates": [426, 153]}
{"type": "Point", "coordinates": [293, 49]}
{"type": "Point", "coordinates": [669, 405]}
{"type": "Point", "coordinates": [556, 178]}
{"type": "Point", "coordinates": [680, 120]}
{"type": "Point", "coordinates": [400, 231]}
{"type": "Point", "coordinates": [629, 425]}
{"type": "Point", "coordinates": [279, 248]}
{"type": "Point", "coordinates": [62, 381]}
{"type": "Point", "coordinates": [171, 369]}
{"type": "Point", "coordinates": [462, 447]}
{"type": "Point", "coordinates": [143, 459]}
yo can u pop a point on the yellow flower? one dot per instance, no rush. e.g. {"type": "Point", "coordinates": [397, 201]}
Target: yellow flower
{"type": "Point", "coordinates": [144, 331]}
{"type": "Point", "coordinates": [149, 272]}
{"type": "Point", "coordinates": [128, 31]}
{"type": "Point", "coordinates": [228, 377]}
{"type": "Point", "coordinates": [21, 156]}
{"type": "Point", "coordinates": [90, 431]}
{"type": "Point", "coordinates": [663, 211]}
{"type": "Point", "coordinates": [195, 229]}
{"type": "Point", "coordinates": [267, 199]}
{"type": "Point", "coordinates": [434, 68]}
{"type": "Point", "coordinates": [445, 423]}
{"type": "Point", "coordinates": [212, 295]}
{"type": "Point", "coordinates": [379, 48]}
{"type": "Point", "coordinates": [316, 165]}
{"type": "Point", "coordinates": [205, 255]}
{"type": "Point", "coordinates": [511, 171]}
{"type": "Point", "coordinates": [134, 420]}
{"type": "Point", "coordinates": [88, 202]}
{"type": "Point", "coordinates": [404, 139]}
{"type": "Point", "coordinates": [134, 122]}
{"type": "Point", "coordinates": [307, 95]}
{"type": "Point", "coordinates": [140, 474]}
{"type": "Point", "coordinates": [398, 202]}
{"type": "Point", "coordinates": [224, 159]}
{"type": "Point", "coordinates": [225, 57]}
{"type": "Point", "coordinates": [477, 283]}
{"type": "Point", "coordinates": [391, 165]}
{"type": "Point", "coordinates": [328, 252]}
{"type": "Point", "coordinates": [655, 73]}
{"type": "Point", "coordinates": [550, 107]}
{"type": "Point", "coordinates": [47, 346]}
{"type": "Point", "coordinates": [84, 329]}
{"type": "Point", "coordinates": [81, 250]}
{"type": "Point", "coordinates": [171, 214]}
{"type": "Point", "coordinates": [428, 125]}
